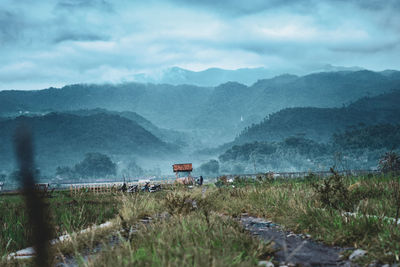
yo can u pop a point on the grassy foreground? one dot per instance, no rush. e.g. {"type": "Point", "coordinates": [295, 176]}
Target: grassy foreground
{"type": "Point", "coordinates": [319, 208]}
{"type": "Point", "coordinates": [197, 226]}
{"type": "Point", "coordinates": [68, 214]}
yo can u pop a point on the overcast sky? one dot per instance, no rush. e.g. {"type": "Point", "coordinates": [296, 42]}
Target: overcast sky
{"type": "Point", "coordinates": [58, 42]}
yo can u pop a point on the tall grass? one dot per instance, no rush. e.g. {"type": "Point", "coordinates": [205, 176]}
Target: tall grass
{"type": "Point", "coordinates": [192, 239]}
{"type": "Point", "coordinates": [196, 227]}
{"type": "Point", "coordinates": [298, 206]}
{"type": "Point", "coordinates": [68, 215]}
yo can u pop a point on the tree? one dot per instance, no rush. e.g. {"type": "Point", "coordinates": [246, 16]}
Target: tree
{"type": "Point", "coordinates": [133, 170]}
{"type": "Point", "coordinates": [95, 165]}
{"type": "Point", "coordinates": [390, 162]}
{"type": "Point", "coordinates": [210, 167]}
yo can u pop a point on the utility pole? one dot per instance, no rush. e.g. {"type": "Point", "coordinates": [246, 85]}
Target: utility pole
{"type": "Point", "coordinates": [254, 161]}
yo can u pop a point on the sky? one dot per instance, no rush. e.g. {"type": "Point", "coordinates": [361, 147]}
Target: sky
{"type": "Point", "coordinates": [58, 42]}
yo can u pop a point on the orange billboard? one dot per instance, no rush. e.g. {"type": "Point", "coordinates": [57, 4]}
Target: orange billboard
{"type": "Point", "coordinates": [185, 167]}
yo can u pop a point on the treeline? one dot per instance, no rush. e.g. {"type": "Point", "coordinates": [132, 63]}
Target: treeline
{"type": "Point", "coordinates": [94, 165]}
{"type": "Point", "coordinates": [318, 124]}
{"type": "Point", "coordinates": [359, 148]}
{"type": "Point", "coordinates": [373, 137]}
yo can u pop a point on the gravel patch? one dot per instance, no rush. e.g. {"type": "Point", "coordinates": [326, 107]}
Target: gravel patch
{"type": "Point", "coordinates": [294, 249]}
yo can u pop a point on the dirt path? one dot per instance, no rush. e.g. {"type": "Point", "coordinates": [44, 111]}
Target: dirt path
{"type": "Point", "coordinates": [294, 249]}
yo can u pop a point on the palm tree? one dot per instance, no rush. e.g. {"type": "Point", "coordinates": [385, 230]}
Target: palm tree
{"type": "Point", "coordinates": [390, 162]}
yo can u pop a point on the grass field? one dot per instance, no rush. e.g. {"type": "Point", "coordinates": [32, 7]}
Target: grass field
{"type": "Point", "coordinates": [68, 214]}
{"type": "Point", "coordinates": [197, 226]}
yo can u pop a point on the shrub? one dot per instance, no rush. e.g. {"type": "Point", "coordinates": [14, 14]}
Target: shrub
{"type": "Point", "coordinates": [332, 192]}
{"type": "Point", "coordinates": [390, 162]}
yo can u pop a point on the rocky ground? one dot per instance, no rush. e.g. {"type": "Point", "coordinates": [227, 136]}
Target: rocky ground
{"type": "Point", "coordinates": [294, 249]}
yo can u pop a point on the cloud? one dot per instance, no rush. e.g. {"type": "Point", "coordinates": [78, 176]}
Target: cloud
{"type": "Point", "coordinates": [72, 41]}
{"type": "Point", "coordinates": [84, 4]}
{"type": "Point", "coordinates": [63, 37]}
{"type": "Point", "coordinates": [10, 27]}
{"type": "Point", "coordinates": [238, 7]}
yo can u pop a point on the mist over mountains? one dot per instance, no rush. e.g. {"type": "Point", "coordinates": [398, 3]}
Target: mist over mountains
{"type": "Point", "coordinates": [170, 136]}
{"type": "Point", "coordinates": [304, 139]}
{"type": "Point", "coordinates": [207, 78]}
{"type": "Point", "coordinates": [157, 120]}
{"type": "Point", "coordinates": [61, 139]}
{"type": "Point", "coordinates": [318, 124]}
{"type": "Point", "coordinates": [215, 76]}
{"type": "Point", "coordinates": [219, 112]}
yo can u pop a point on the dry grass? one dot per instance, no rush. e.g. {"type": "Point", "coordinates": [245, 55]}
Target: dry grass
{"type": "Point", "coordinates": [186, 230]}
{"type": "Point", "coordinates": [193, 239]}
{"type": "Point", "coordinates": [68, 214]}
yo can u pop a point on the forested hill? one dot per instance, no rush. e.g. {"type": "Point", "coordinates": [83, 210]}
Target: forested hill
{"type": "Point", "coordinates": [384, 136]}
{"type": "Point", "coordinates": [357, 148]}
{"type": "Point", "coordinates": [165, 105]}
{"type": "Point", "coordinates": [224, 110]}
{"type": "Point", "coordinates": [236, 105]}
{"type": "Point", "coordinates": [61, 138]}
{"type": "Point", "coordinates": [166, 135]}
{"type": "Point", "coordinates": [319, 124]}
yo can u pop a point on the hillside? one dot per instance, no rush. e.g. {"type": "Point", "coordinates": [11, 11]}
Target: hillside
{"type": "Point", "coordinates": [358, 148]}
{"type": "Point", "coordinates": [62, 138]}
{"type": "Point", "coordinates": [233, 106]}
{"type": "Point", "coordinates": [216, 114]}
{"type": "Point", "coordinates": [292, 154]}
{"type": "Point", "coordinates": [166, 135]}
{"type": "Point", "coordinates": [384, 136]}
{"type": "Point", "coordinates": [319, 123]}
{"type": "Point", "coordinates": [166, 105]}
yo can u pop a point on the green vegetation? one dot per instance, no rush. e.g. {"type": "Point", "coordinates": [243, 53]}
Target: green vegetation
{"type": "Point", "coordinates": [309, 138]}
{"type": "Point", "coordinates": [319, 124]}
{"type": "Point", "coordinates": [61, 137]}
{"type": "Point", "coordinates": [376, 137]}
{"type": "Point", "coordinates": [167, 135]}
{"type": "Point", "coordinates": [198, 226]}
{"type": "Point", "coordinates": [209, 168]}
{"type": "Point", "coordinates": [190, 240]}
{"type": "Point", "coordinates": [92, 166]}
{"type": "Point", "coordinates": [359, 148]}
{"type": "Point", "coordinates": [390, 162]}
{"type": "Point", "coordinates": [68, 214]}
{"type": "Point", "coordinates": [317, 207]}
{"type": "Point", "coordinates": [214, 110]}
{"type": "Point", "coordinates": [291, 154]}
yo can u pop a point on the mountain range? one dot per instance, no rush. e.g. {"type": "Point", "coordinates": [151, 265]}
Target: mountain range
{"type": "Point", "coordinates": [215, 114]}
{"type": "Point", "coordinates": [207, 78]}
{"type": "Point", "coordinates": [159, 121]}
{"type": "Point", "coordinates": [319, 124]}
{"type": "Point", "coordinates": [215, 76]}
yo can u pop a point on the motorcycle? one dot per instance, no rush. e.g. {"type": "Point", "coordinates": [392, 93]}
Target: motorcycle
{"type": "Point", "coordinates": [155, 188]}
{"type": "Point", "coordinates": [150, 188]}
{"type": "Point", "coordinates": [133, 189]}
{"type": "Point", "coordinates": [128, 189]}
{"type": "Point", "coordinates": [146, 187]}
{"type": "Point", "coordinates": [123, 188]}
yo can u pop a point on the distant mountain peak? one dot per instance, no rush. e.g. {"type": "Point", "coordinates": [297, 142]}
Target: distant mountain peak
{"type": "Point", "coordinates": [333, 68]}
{"type": "Point", "coordinates": [215, 76]}
{"type": "Point", "coordinates": [209, 77]}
